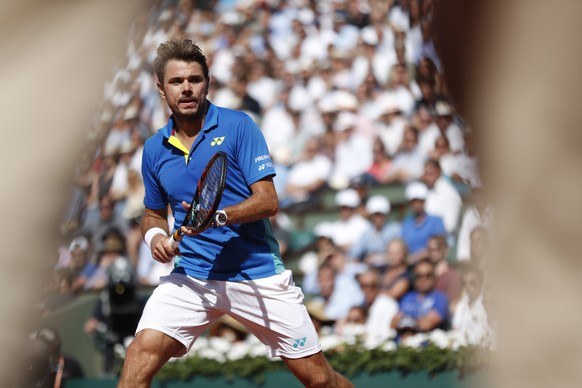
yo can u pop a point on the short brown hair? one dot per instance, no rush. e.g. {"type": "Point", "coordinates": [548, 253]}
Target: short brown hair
{"type": "Point", "coordinates": [180, 49]}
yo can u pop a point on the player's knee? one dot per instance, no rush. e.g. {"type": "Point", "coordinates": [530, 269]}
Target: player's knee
{"type": "Point", "coordinates": [321, 379]}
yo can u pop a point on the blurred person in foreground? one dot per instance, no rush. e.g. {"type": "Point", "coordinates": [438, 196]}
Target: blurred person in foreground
{"type": "Point", "coordinates": [44, 363]}
{"type": "Point", "coordinates": [237, 257]}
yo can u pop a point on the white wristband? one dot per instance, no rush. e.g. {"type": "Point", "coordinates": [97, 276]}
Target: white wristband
{"type": "Point", "coordinates": [151, 233]}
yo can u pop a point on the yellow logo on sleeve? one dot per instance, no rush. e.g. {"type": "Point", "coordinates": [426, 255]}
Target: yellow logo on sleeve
{"type": "Point", "coordinates": [217, 141]}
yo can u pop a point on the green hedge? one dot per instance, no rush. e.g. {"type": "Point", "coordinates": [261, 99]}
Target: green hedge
{"type": "Point", "coordinates": [349, 360]}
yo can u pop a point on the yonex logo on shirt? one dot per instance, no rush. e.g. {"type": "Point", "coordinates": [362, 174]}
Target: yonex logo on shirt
{"type": "Point", "coordinates": [299, 342]}
{"type": "Point", "coordinates": [217, 141]}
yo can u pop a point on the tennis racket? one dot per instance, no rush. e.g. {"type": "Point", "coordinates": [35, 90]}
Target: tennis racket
{"type": "Point", "coordinates": [206, 198]}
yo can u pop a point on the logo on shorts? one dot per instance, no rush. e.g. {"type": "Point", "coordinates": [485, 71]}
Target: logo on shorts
{"type": "Point", "coordinates": [217, 141]}
{"type": "Point", "coordinates": [299, 342]}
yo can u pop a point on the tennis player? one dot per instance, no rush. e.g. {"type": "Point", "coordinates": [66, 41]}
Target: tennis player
{"type": "Point", "coordinates": [233, 268]}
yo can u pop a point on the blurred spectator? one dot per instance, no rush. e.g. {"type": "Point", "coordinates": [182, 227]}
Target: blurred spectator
{"type": "Point", "coordinates": [79, 250]}
{"type": "Point", "coordinates": [116, 313]}
{"type": "Point", "coordinates": [82, 195]}
{"type": "Point", "coordinates": [229, 328]}
{"type": "Point", "coordinates": [132, 212]}
{"type": "Point", "coordinates": [390, 125]}
{"type": "Point", "coordinates": [113, 248]}
{"type": "Point", "coordinates": [337, 292]}
{"type": "Point", "coordinates": [427, 48]}
{"type": "Point", "coordinates": [469, 316]}
{"type": "Point", "coordinates": [371, 247]}
{"type": "Point", "coordinates": [476, 215]}
{"type": "Point", "coordinates": [100, 221]}
{"type": "Point", "coordinates": [407, 164]}
{"type": "Point", "coordinates": [306, 179]}
{"type": "Point", "coordinates": [350, 226]}
{"type": "Point", "coordinates": [354, 325]}
{"type": "Point", "coordinates": [442, 126]}
{"type": "Point", "coordinates": [467, 163]}
{"type": "Point", "coordinates": [442, 199]}
{"type": "Point", "coordinates": [310, 261]}
{"type": "Point", "coordinates": [353, 151]}
{"type": "Point", "coordinates": [479, 248]}
{"type": "Point", "coordinates": [237, 97]}
{"type": "Point", "coordinates": [448, 279]}
{"type": "Point", "coordinates": [424, 306]}
{"type": "Point", "coordinates": [44, 363]}
{"type": "Point", "coordinates": [380, 168]}
{"type": "Point", "coordinates": [420, 226]}
{"type": "Point", "coordinates": [443, 155]}
{"type": "Point", "coordinates": [281, 225]}
{"type": "Point", "coordinates": [61, 290]}
{"type": "Point", "coordinates": [396, 279]}
{"type": "Point", "coordinates": [380, 307]}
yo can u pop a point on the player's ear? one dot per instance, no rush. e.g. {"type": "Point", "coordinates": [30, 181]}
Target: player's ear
{"type": "Point", "coordinates": [161, 90]}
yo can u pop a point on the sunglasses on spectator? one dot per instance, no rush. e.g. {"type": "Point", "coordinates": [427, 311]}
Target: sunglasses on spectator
{"type": "Point", "coordinates": [421, 275]}
{"type": "Point", "coordinates": [368, 285]}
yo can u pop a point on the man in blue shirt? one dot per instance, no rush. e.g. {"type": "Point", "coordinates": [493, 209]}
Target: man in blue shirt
{"type": "Point", "coordinates": [233, 268]}
{"type": "Point", "coordinates": [419, 227]}
{"type": "Point", "coordinates": [426, 307]}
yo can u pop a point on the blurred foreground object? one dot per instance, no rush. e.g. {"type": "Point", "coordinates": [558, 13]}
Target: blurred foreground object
{"type": "Point", "coordinates": [519, 88]}
{"type": "Point", "coordinates": [58, 55]}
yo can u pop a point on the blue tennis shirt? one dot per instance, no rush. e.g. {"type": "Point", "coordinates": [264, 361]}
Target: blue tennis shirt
{"type": "Point", "coordinates": [171, 173]}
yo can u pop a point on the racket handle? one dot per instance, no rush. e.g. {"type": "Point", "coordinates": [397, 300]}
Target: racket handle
{"type": "Point", "coordinates": [175, 239]}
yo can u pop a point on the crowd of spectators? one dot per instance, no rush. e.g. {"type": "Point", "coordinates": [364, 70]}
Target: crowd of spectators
{"type": "Point", "coordinates": [350, 95]}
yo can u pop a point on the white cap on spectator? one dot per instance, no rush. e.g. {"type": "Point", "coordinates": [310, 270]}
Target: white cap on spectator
{"type": "Point", "coordinates": [165, 15]}
{"type": "Point", "coordinates": [416, 190]}
{"type": "Point", "coordinates": [327, 105]}
{"type": "Point", "coordinates": [324, 229]}
{"type": "Point", "coordinates": [443, 108]}
{"type": "Point", "coordinates": [378, 204]}
{"type": "Point", "coordinates": [386, 105]}
{"type": "Point", "coordinates": [348, 198]}
{"type": "Point", "coordinates": [79, 242]}
{"type": "Point", "coordinates": [345, 100]}
{"type": "Point", "coordinates": [369, 36]}
{"type": "Point", "coordinates": [345, 121]}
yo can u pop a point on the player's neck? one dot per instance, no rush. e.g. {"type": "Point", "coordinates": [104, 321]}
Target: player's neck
{"type": "Point", "coordinates": [190, 126]}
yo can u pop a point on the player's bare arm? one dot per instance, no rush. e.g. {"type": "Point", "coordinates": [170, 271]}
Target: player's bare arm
{"type": "Point", "coordinates": [262, 203]}
{"type": "Point", "coordinates": [161, 249]}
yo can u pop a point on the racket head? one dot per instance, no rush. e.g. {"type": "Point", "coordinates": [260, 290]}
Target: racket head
{"type": "Point", "coordinates": [208, 193]}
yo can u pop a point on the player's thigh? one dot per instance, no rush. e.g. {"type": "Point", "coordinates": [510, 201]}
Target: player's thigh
{"type": "Point", "coordinates": [150, 350]}
{"type": "Point", "coordinates": [272, 309]}
{"type": "Point", "coordinates": [181, 308]}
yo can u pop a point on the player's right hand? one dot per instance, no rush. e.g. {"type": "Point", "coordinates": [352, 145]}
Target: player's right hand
{"type": "Point", "coordinates": [162, 249]}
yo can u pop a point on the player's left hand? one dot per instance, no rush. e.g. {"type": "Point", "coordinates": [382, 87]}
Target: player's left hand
{"type": "Point", "coordinates": [187, 230]}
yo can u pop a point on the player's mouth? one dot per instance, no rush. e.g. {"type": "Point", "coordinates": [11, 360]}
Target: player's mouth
{"type": "Point", "coordinates": [188, 102]}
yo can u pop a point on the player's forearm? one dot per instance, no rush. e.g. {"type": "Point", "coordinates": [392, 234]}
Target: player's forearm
{"type": "Point", "coordinates": [153, 219]}
{"type": "Point", "coordinates": [257, 207]}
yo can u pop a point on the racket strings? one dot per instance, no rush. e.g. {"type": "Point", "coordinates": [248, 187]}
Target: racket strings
{"type": "Point", "coordinates": [209, 191]}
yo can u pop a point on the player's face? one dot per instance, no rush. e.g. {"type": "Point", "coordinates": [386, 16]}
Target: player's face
{"type": "Point", "coordinates": [184, 89]}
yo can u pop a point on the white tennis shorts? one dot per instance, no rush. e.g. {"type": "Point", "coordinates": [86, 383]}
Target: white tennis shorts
{"type": "Point", "coordinates": [271, 308]}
